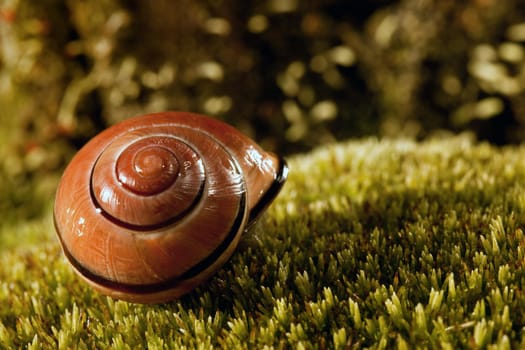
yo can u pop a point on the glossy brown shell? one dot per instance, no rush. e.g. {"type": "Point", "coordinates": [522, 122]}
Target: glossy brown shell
{"type": "Point", "coordinates": [151, 207]}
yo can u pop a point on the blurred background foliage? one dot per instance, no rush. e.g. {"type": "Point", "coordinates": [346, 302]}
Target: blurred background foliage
{"type": "Point", "coordinates": [292, 74]}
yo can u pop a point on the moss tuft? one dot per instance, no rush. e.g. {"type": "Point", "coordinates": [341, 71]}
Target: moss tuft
{"type": "Point", "coordinates": [372, 243]}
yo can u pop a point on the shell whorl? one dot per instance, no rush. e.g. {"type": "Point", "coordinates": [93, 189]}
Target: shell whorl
{"type": "Point", "coordinates": [152, 206]}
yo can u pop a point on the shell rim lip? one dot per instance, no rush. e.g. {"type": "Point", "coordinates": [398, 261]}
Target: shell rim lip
{"type": "Point", "coordinates": [271, 193]}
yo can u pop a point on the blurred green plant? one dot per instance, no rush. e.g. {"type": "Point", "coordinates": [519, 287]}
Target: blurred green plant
{"type": "Point", "coordinates": [291, 74]}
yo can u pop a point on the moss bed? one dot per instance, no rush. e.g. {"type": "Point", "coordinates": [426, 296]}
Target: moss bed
{"type": "Point", "coordinates": [371, 244]}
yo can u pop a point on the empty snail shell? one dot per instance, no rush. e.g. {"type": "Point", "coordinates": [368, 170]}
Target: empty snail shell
{"type": "Point", "coordinates": [153, 206]}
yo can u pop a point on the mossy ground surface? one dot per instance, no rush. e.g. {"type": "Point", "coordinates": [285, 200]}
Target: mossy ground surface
{"type": "Point", "coordinates": [371, 244]}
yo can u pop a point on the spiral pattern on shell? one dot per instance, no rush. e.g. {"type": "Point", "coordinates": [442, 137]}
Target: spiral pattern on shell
{"type": "Point", "coordinates": [152, 206]}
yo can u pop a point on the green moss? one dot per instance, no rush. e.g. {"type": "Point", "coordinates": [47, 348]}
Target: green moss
{"type": "Point", "coordinates": [376, 244]}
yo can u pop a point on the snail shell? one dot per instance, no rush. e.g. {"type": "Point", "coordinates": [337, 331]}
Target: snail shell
{"type": "Point", "coordinates": [153, 206]}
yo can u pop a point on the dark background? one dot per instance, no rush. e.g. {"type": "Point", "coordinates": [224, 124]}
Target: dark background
{"type": "Point", "coordinates": [292, 74]}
